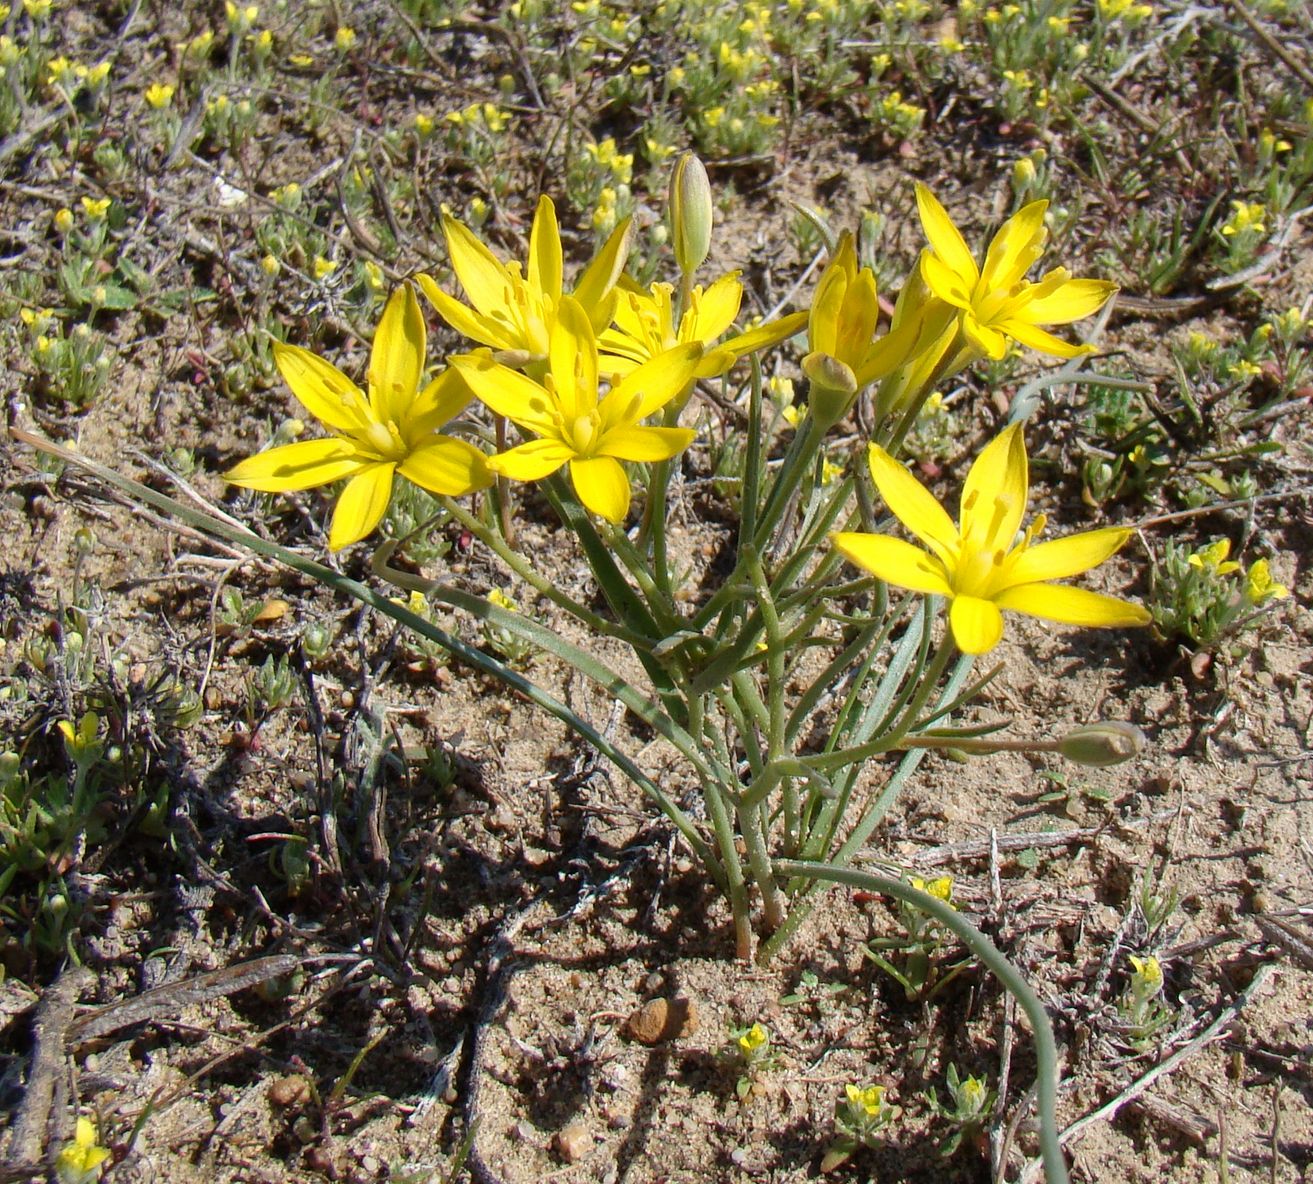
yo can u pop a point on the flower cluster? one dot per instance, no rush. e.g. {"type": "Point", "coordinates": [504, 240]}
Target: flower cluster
{"type": "Point", "coordinates": [582, 372]}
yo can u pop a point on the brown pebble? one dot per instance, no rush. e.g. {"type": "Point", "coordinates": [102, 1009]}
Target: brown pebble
{"type": "Point", "coordinates": [573, 1142]}
{"type": "Point", "coordinates": [292, 1090]}
{"type": "Point", "coordinates": [659, 1020]}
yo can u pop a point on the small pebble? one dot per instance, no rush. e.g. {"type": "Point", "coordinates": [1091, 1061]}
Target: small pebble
{"type": "Point", "coordinates": [659, 1020]}
{"type": "Point", "coordinates": [573, 1142]}
{"type": "Point", "coordinates": [292, 1090]}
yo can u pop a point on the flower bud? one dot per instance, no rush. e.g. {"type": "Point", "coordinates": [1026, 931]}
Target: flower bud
{"type": "Point", "coordinates": [833, 387]}
{"type": "Point", "coordinates": [1109, 742]}
{"type": "Point", "coordinates": [690, 211]}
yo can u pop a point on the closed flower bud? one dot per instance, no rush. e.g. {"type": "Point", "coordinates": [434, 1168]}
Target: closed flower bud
{"type": "Point", "coordinates": [1109, 742]}
{"type": "Point", "coordinates": [690, 211]}
{"type": "Point", "coordinates": [833, 387]}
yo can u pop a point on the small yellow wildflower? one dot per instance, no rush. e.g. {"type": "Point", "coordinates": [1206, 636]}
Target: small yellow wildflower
{"type": "Point", "coordinates": [1260, 587]}
{"type": "Point", "coordinates": [80, 1159]}
{"type": "Point", "coordinates": [323, 267]}
{"type": "Point", "coordinates": [1246, 216]}
{"type": "Point", "coordinates": [1147, 974]}
{"type": "Point", "coordinates": [159, 95]}
{"type": "Point", "coordinates": [374, 276]}
{"type": "Point", "coordinates": [37, 9]}
{"type": "Point", "coordinates": [64, 220]}
{"type": "Point", "coordinates": [501, 600]}
{"type": "Point", "coordinates": [1244, 369]}
{"type": "Point", "coordinates": [344, 39]}
{"type": "Point", "coordinates": [1213, 558]}
{"type": "Point", "coordinates": [300, 60]}
{"type": "Point", "coordinates": [753, 1040]}
{"type": "Point", "coordinates": [199, 46]}
{"type": "Point", "coordinates": [240, 19]}
{"type": "Point", "coordinates": [423, 124]}
{"type": "Point", "coordinates": [263, 42]}
{"type": "Point", "coordinates": [95, 208]}
{"type": "Point", "coordinates": [941, 888]}
{"type": "Point", "coordinates": [270, 265]}
{"type": "Point", "coordinates": [60, 71]}
{"type": "Point", "coordinates": [94, 75]}
{"type": "Point", "coordinates": [867, 1099]}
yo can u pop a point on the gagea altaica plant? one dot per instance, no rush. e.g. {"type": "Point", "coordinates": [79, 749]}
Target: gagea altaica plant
{"type": "Point", "coordinates": [803, 686]}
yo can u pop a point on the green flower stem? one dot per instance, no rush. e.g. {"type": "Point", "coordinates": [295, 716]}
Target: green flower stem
{"type": "Point", "coordinates": [872, 635]}
{"type": "Point", "coordinates": [754, 840]}
{"type": "Point", "coordinates": [796, 462]}
{"type": "Point", "coordinates": [476, 658]}
{"type": "Point", "coordinates": [776, 654]}
{"type": "Point", "coordinates": [926, 684]}
{"type": "Point", "coordinates": [752, 466]}
{"type": "Point", "coordinates": [1046, 1051]}
{"type": "Point", "coordinates": [880, 710]}
{"type": "Point", "coordinates": [876, 811]}
{"type": "Point", "coordinates": [620, 595]}
{"type": "Point", "coordinates": [954, 361]}
{"type": "Point", "coordinates": [745, 720]}
{"type": "Point", "coordinates": [503, 486]}
{"type": "Point", "coordinates": [654, 526]}
{"type": "Point", "coordinates": [659, 604]}
{"type": "Point", "coordinates": [713, 793]}
{"type": "Point", "coordinates": [497, 544]}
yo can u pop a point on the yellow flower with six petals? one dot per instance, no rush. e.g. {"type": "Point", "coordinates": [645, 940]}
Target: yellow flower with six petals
{"type": "Point", "coordinates": [996, 302]}
{"type": "Point", "coordinates": [576, 425]}
{"type": "Point", "coordinates": [979, 564]}
{"type": "Point", "coordinates": [645, 327]}
{"type": "Point", "coordinates": [393, 430]}
{"type": "Point", "coordinates": [513, 312]}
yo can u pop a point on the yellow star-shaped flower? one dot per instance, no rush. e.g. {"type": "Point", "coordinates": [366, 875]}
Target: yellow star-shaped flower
{"type": "Point", "coordinates": [392, 430]}
{"type": "Point", "coordinates": [996, 302]}
{"type": "Point", "coordinates": [980, 565]}
{"type": "Point", "coordinates": [574, 423]}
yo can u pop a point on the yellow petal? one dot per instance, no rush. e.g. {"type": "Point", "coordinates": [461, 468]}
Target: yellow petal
{"type": "Point", "coordinates": [914, 505]}
{"type": "Point", "coordinates": [532, 461]}
{"type": "Point", "coordinates": [396, 362]}
{"type": "Point", "coordinates": [602, 486]}
{"type": "Point", "coordinates": [1072, 606]}
{"type": "Point", "coordinates": [545, 263]}
{"type": "Point", "coordinates": [473, 325]}
{"type": "Point", "coordinates": [945, 238]}
{"type": "Point", "coordinates": [1061, 558]}
{"type": "Point", "coordinates": [1071, 301]}
{"type": "Point", "coordinates": [322, 389]}
{"type": "Point", "coordinates": [447, 466]}
{"type": "Point", "coordinates": [827, 305]}
{"type": "Point", "coordinates": [764, 336]}
{"type": "Point", "coordinates": [943, 281]}
{"type": "Point", "coordinates": [362, 505]}
{"type": "Point", "coordinates": [651, 386]}
{"type": "Point", "coordinates": [645, 444]}
{"type": "Point", "coordinates": [481, 274]}
{"type": "Point", "coordinates": [994, 495]}
{"type": "Point", "coordinates": [302, 465]}
{"type": "Point", "coordinates": [1015, 248]}
{"type": "Point", "coordinates": [891, 351]}
{"type": "Point", "coordinates": [857, 320]}
{"type": "Point", "coordinates": [572, 356]}
{"type": "Point", "coordinates": [437, 404]}
{"type": "Point", "coordinates": [510, 393]}
{"type": "Point", "coordinates": [986, 338]}
{"type": "Point", "coordinates": [600, 277]}
{"type": "Point", "coordinates": [894, 561]}
{"type": "Point", "coordinates": [713, 311]}
{"type": "Point", "coordinates": [977, 624]}
{"type": "Point", "coordinates": [1038, 339]}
